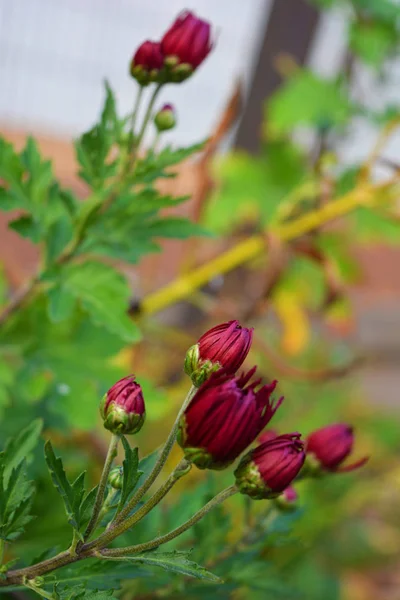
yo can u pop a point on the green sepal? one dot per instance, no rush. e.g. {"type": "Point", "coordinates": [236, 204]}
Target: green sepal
{"type": "Point", "coordinates": [249, 481]}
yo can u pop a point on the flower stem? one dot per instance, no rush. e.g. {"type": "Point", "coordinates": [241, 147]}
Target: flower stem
{"type": "Point", "coordinates": [218, 499]}
{"type": "Point", "coordinates": [2, 549]}
{"type": "Point", "coordinates": [181, 469]}
{"type": "Point", "coordinates": [160, 462]}
{"type": "Point", "coordinates": [38, 590]}
{"type": "Point", "coordinates": [148, 115]}
{"type": "Point", "coordinates": [111, 454]}
{"type": "Point", "coordinates": [135, 112]}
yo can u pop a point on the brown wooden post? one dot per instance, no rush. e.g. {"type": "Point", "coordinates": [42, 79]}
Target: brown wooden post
{"type": "Point", "coordinates": [289, 29]}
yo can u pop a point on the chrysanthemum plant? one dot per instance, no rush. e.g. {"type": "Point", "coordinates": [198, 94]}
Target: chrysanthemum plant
{"type": "Point", "coordinates": [58, 331]}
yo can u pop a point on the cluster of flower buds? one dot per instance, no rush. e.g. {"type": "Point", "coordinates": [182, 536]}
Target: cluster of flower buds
{"type": "Point", "coordinates": [180, 52]}
{"type": "Point", "coordinates": [227, 414]}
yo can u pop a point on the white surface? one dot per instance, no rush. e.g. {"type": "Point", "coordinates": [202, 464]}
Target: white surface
{"type": "Point", "coordinates": [54, 55]}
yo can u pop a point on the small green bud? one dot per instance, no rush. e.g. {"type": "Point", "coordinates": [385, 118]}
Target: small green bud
{"type": "Point", "coordinates": [165, 118]}
{"type": "Point", "coordinates": [116, 478]}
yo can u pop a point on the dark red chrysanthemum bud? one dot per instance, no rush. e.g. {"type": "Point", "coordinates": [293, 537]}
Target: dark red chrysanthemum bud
{"type": "Point", "coordinates": [330, 446]}
{"type": "Point", "coordinates": [185, 45]}
{"type": "Point", "coordinates": [122, 408]}
{"type": "Point", "coordinates": [165, 118]}
{"type": "Point", "coordinates": [147, 62]}
{"type": "Point", "coordinates": [224, 417]}
{"type": "Point", "coordinates": [269, 469]}
{"type": "Point", "coordinates": [224, 346]}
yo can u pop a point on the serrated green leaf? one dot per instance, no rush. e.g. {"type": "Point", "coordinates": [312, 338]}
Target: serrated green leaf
{"type": "Point", "coordinates": [174, 562]}
{"type": "Point", "coordinates": [154, 166]}
{"type": "Point", "coordinates": [27, 228]}
{"type": "Point", "coordinates": [87, 506]}
{"type": "Point", "coordinates": [104, 294]}
{"type": "Point", "coordinates": [131, 473]}
{"type": "Point", "coordinates": [20, 447]}
{"type": "Point", "coordinates": [70, 494]}
{"type": "Point", "coordinates": [94, 147]}
{"type": "Point", "coordinates": [16, 493]}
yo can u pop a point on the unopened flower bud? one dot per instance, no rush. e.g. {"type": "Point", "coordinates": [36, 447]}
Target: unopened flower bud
{"type": "Point", "coordinates": [270, 468]}
{"type": "Point", "coordinates": [223, 418]}
{"type": "Point", "coordinates": [147, 62]}
{"type": "Point", "coordinates": [328, 447]}
{"type": "Point", "coordinates": [165, 118]}
{"type": "Point", "coordinates": [123, 408]}
{"type": "Point", "coordinates": [224, 346]}
{"type": "Point", "coordinates": [187, 42]}
{"type": "Point", "coordinates": [116, 478]}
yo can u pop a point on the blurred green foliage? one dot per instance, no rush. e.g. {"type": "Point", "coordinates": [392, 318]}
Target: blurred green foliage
{"type": "Point", "coordinates": [58, 352]}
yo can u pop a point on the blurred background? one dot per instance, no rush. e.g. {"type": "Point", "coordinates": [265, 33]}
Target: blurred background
{"type": "Point", "coordinates": [293, 87]}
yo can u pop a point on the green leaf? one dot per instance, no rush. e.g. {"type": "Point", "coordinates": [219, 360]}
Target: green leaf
{"type": "Point", "coordinates": [372, 41]}
{"type": "Point", "coordinates": [174, 227]}
{"type": "Point", "coordinates": [72, 495]}
{"type": "Point", "coordinates": [307, 99]}
{"type": "Point", "coordinates": [20, 447]}
{"type": "Point", "coordinates": [16, 491]}
{"type": "Point", "coordinates": [27, 228]}
{"type": "Point", "coordinates": [374, 226]}
{"type": "Point", "coordinates": [251, 189]}
{"type": "Point", "coordinates": [79, 592]}
{"type": "Point", "coordinates": [154, 166]}
{"type": "Point", "coordinates": [94, 147]}
{"type": "Point", "coordinates": [103, 293]}
{"type": "Point", "coordinates": [174, 562]}
{"type": "Point", "coordinates": [147, 463]}
{"type": "Point", "coordinates": [61, 303]}
{"type": "Point", "coordinates": [131, 473]}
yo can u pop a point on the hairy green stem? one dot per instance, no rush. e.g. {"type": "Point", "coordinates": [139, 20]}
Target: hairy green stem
{"type": "Point", "coordinates": [111, 454]}
{"type": "Point", "coordinates": [19, 576]}
{"type": "Point", "coordinates": [38, 590]}
{"type": "Point", "coordinates": [114, 531]}
{"type": "Point", "coordinates": [159, 464]}
{"type": "Point", "coordinates": [2, 549]}
{"type": "Point", "coordinates": [135, 112]}
{"type": "Point", "coordinates": [148, 115]}
{"type": "Point", "coordinates": [218, 499]}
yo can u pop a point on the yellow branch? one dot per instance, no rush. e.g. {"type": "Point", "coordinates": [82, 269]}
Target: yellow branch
{"type": "Point", "coordinates": [251, 248]}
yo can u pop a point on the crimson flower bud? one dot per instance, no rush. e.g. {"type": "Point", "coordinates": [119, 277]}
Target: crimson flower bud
{"type": "Point", "coordinates": [225, 345]}
{"type": "Point", "coordinates": [116, 478]}
{"type": "Point", "coordinates": [185, 45]}
{"type": "Point", "coordinates": [147, 62]}
{"type": "Point", "coordinates": [122, 408]}
{"type": "Point", "coordinates": [330, 446]}
{"type": "Point", "coordinates": [165, 118]}
{"type": "Point", "coordinates": [224, 417]}
{"type": "Point", "coordinates": [268, 470]}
